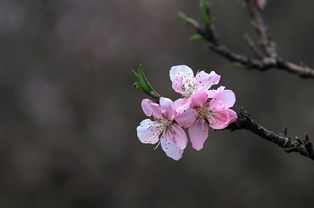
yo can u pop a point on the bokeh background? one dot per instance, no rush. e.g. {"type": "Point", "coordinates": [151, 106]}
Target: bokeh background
{"type": "Point", "coordinates": [68, 111]}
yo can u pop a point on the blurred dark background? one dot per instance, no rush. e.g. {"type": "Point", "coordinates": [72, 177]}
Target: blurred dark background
{"type": "Point", "coordinates": [68, 111]}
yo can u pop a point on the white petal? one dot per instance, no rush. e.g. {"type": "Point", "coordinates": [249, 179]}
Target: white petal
{"type": "Point", "coordinates": [170, 148]}
{"type": "Point", "coordinates": [181, 70]}
{"type": "Point", "coordinates": [149, 131]}
{"type": "Point", "coordinates": [182, 79]}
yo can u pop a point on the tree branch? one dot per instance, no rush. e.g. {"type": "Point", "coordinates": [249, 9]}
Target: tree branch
{"type": "Point", "coordinates": [253, 47]}
{"type": "Point", "coordinates": [270, 58]}
{"type": "Point", "coordinates": [302, 146]}
{"type": "Point", "coordinates": [261, 29]}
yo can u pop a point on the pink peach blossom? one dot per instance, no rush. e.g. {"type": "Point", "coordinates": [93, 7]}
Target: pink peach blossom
{"type": "Point", "coordinates": [207, 108]}
{"type": "Point", "coordinates": [162, 128]}
{"type": "Point", "coordinates": [184, 82]}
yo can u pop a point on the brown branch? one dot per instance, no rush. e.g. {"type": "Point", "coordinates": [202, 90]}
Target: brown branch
{"type": "Point", "coordinates": [270, 59]}
{"type": "Point", "coordinates": [253, 47]}
{"type": "Point", "coordinates": [302, 146]}
{"type": "Point", "coordinates": [261, 29]}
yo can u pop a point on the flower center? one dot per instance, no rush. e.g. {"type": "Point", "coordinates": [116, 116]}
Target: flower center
{"type": "Point", "coordinates": [164, 123]}
{"type": "Point", "coordinates": [203, 112]}
{"type": "Point", "coordinates": [188, 88]}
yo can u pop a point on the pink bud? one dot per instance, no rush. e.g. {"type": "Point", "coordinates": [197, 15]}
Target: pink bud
{"type": "Point", "coordinates": [261, 3]}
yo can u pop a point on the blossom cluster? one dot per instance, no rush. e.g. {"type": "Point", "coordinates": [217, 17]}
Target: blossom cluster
{"type": "Point", "coordinates": [199, 109]}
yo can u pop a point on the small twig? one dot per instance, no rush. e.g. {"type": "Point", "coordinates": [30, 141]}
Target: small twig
{"type": "Point", "coordinates": [289, 144]}
{"type": "Point", "coordinates": [261, 29]}
{"type": "Point", "coordinates": [268, 61]}
{"type": "Point", "coordinates": [253, 47]}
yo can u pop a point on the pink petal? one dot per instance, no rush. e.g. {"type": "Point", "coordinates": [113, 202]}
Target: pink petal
{"type": "Point", "coordinates": [182, 104]}
{"type": "Point", "coordinates": [219, 119]}
{"type": "Point", "coordinates": [148, 131]}
{"type": "Point", "coordinates": [171, 149]}
{"type": "Point", "coordinates": [204, 80]}
{"type": "Point", "coordinates": [180, 75]}
{"type": "Point", "coordinates": [232, 116]}
{"type": "Point", "coordinates": [151, 109]}
{"type": "Point", "coordinates": [223, 99]}
{"type": "Point", "coordinates": [199, 98]}
{"type": "Point", "coordinates": [198, 134]}
{"type": "Point", "coordinates": [179, 136]}
{"type": "Point", "coordinates": [261, 3]}
{"type": "Point", "coordinates": [167, 108]}
{"type": "Point", "coordinates": [187, 117]}
{"type": "Point", "coordinates": [212, 93]}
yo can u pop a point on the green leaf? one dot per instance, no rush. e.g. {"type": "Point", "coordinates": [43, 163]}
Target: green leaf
{"type": "Point", "coordinates": [205, 12]}
{"type": "Point", "coordinates": [196, 37]}
{"type": "Point", "coordinates": [242, 2]}
{"type": "Point", "coordinates": [186, 18]}
{"type": "Point", "coordinates": [253, 24]}
{"type": "Point", "coordinates": [235, 65]}
{"type": "Point", "coordinates": [143, 85]}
